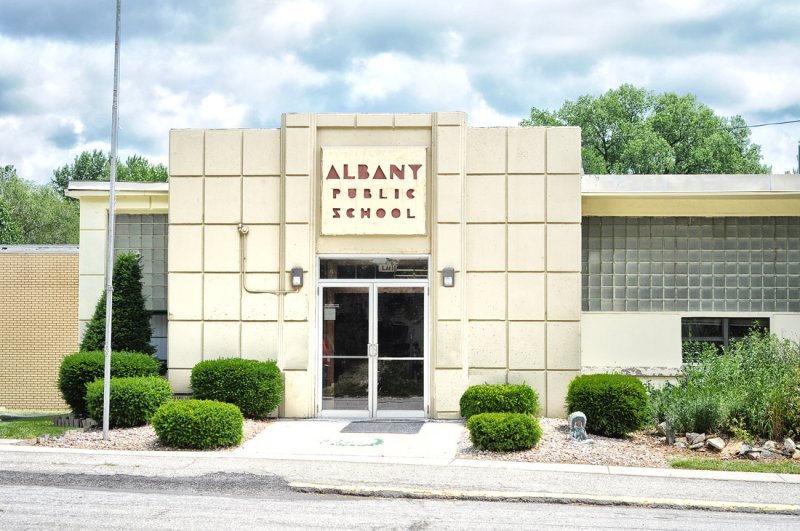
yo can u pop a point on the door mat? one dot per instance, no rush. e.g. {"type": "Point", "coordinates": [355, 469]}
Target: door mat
{"type": "Point", "coordinates": [382, 427]}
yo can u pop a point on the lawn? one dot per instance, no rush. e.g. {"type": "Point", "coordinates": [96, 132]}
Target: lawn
{"type": "Point", "coordinates": [699, 463]}
{"type": "Point", "coordinates": [29, 428]}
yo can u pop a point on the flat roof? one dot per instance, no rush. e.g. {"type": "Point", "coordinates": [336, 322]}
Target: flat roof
{"type": "Point", "coordinates": [38, 249]}
{"type": "Point", "coordinates": [101, 188]}
{"type": "Point", "coordinates": [721, 184]}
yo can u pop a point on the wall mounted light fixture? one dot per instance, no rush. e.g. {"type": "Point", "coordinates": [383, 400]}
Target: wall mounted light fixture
{"type": "Point", "coordinates": [297, 277]}
{"type": "Point", "coordinates": [448, 277]}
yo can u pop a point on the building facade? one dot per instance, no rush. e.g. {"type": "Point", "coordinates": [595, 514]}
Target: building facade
{"type": "Point", "coordinates": [388, 262]}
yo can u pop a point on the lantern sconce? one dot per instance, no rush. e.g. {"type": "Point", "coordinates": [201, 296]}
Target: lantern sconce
{"type": "Point", "coordinates": [448, 277]}
{"type": "Point", "coordinates": [297, 277]}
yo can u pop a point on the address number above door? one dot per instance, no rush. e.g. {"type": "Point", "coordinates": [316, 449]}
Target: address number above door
{"type": "Point", "coordinates": [374, 190]}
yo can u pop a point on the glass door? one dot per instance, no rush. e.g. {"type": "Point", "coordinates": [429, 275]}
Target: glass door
{"type": "Point", "coordinates": [346, 345]}
{"type": "Point", "coordinates": [374, 344]}
{"type": "Point", "coordinates": [400, 317]}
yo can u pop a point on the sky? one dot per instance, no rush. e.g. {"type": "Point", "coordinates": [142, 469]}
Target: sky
{"type": "Point", "coordinates": [215, 63]}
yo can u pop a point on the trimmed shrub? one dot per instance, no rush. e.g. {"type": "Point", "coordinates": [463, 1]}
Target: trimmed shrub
{"type": "Point", "coordinates": [130, 321]}
{"type": "Point", "coordinates": [132, 401]}
{"type": "Point", "coordinates": [256, 387]}
{"type": "Point", "coordinates": [82, 368]}
{"type": "Point", "coordinates": [500, 398]}
{"type": "Point", "coordinates": [199, 424]}
{"type": "Point", "coordinates": [614, 404]}
{"type": "Point", "coordinates": [504, 432]}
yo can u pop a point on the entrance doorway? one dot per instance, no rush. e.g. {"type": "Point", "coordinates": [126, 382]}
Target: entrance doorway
{"type": "Point", "coordinates": [373, 338]}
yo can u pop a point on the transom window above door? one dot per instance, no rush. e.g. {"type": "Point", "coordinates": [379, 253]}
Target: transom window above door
{"type": "Point", "coordinates": [382, 268]}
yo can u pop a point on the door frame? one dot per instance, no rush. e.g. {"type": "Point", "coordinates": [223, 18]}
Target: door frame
{"type": "Point", "coordinates": [373, 285]}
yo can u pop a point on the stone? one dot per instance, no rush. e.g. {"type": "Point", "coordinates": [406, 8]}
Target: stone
{"type": "Point", "coordinates": [682, 445]}
{"type": "Point", "coordinates": [690, 436]}
{"type": "Point", "coordinates": [767, 453]}
{"type": "Point", "coordinates": [662, 428]}
{"type": "Point", "coordinates": [681, 440]}
{"type": "Point", "coordinates": [716, 443]}
{"type": "Point", "coordinates": [699, 438]}
{"type": "Point", "coordinates": [771, 446]}
{"type": "Point", "coordinates": [753, 455]}
{"type": "Point", "coordinates": [744, 448]}
{"type": "Point", "coordinates": [796, 454]}
{"type": "Point", "coordinates": [696, 446]}
{"type": "Point", "coordinates": [789, 446]}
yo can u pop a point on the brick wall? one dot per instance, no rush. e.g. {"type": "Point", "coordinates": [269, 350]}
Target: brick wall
{"type": "Point", "coordinates": [38, 325]}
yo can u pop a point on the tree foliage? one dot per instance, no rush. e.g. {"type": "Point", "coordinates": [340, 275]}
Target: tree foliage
{"type": "Point", "coordinates": [96, 166]}
{"type": "Point", "coordinates": [35, 214]}
{"type": "Point", "coordinates": [130, 321]}
{"type": "Point", "coordinates": [630, 130]}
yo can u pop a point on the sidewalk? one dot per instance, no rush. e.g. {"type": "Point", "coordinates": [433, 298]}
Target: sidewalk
{"type": "Point", "coordinates": [313, 456]}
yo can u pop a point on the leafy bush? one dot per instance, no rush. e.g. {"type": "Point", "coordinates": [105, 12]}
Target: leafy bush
{"type": "Point", "coordinates": [256, 387]}
{"type": "Point", "coordinates": [132, 401]}
{"type": "Point", "coordinates": [500, 398]}
{"type": "Point", "coordinates": [130, 320]}
{"type": "Point", "coordinates": [200, 424]}
{"type": "Point", "coordinates": [614, 404]}
{"type": "Point", "coordinates": [82, 368]}
{"type": "Point", "coordinates": [752, 387]}
{"type": "Point", "coordinates": [504, 432]}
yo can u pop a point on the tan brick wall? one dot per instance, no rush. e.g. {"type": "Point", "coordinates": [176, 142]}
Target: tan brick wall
{"type": "Point", "coordinates": [38, 326]}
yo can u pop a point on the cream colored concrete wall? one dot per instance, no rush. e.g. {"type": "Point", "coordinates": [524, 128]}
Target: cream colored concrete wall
{"type": "Point", "coordinates": [504, 210]}
{"type": "Point", "coordinates": [507, 218]}
{"type": "Point", "coordinates": [638, 343]}
{"type": "Point", "coordinates": [786, 325]}
{"type": "Point", "coordinates": [690, 205]}
{"type": "Point", "coordinates": [93, 223]}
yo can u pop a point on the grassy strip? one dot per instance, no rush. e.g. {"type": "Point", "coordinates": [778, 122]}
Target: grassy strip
{"type": "Point", "coordinates": [29, 428]}
{"type": "Point", "coordinates": [699, 463]}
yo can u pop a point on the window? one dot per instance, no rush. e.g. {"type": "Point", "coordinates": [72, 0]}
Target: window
{"type": "Point", "coordinates": [719, 330]}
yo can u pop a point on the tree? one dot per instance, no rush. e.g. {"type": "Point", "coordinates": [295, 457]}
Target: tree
{"type": "Point", "coordinates": [9, 230]}
{"type": "Point", "coordinates": [38, 212]}
{"type": "Point", "coordinates": [96, 166]}
{"type": "Point", "coordinates": [130, 321]}
{"type": "Point", "coordinates": [631, 130]}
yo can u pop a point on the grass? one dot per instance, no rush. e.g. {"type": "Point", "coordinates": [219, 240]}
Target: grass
{"type": "Point", "coordinates": [29, 428]}
{"type": "Point", "coordinates": [699, 463]}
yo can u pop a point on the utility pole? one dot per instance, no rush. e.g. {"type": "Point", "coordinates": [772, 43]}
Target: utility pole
{"type": "Point", "coordinates": [112, 203]}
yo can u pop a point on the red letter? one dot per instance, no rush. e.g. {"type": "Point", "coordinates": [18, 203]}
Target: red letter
{"type": "Point", "coordinates": [364, 212]}
{"type": "Point", "coordinates": [408, 214]}
{"type": "Point", "coordinates": [414, 168]}
{"type": "Point", "coordinates": [363, 173]}
{"type": "Point", "coordinates": [395, 212]}
{"type": "Point", "coordinates": [336, 191]}
{"type": "Point", "coordinates": [379, 173]}
{"type": "Point", "coordinates": [351, 193]}
{"type": "Point", "coordinates": [397, 173]}
{"type": "Point", "coordinates": [367, 193]}
{"type": "Point", "coordinates": [346, 174]}
{"type": "Point", "coordinates": [350, 212]}
{"type": "Point", "coordinates": [381, 194]}
{"type": "Point", "coordinates": [336, 213]}
{"type": "Point", "coordinates": [410, 193]}
{"type": "Point", "coordinates": [332, 173]}
{"type": "Point", "coordinates": [380, 212]}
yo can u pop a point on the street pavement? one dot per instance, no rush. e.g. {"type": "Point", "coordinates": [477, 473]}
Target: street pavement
{"type": "Point", "coordinates": [313, 456]}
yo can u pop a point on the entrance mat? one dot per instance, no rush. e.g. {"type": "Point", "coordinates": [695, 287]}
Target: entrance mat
{"type": "Point", "coordinates": [382, 427]}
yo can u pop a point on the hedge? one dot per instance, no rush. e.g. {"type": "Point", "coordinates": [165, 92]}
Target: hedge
{"type": "Point", "coordinates": [499, 398]}
{"type": "Point", "coordinates": [504, 432]}
{"type": "Point", "coordinates": [132, 401]}
{"type": "Point", "coordinates": [614, 404]}
{"type": "Point", "coordinates": [256, 387]}
{"type": "Point", "coordinates": [198, 424]}
{"type": "Point", "coordinates": [82, 368]}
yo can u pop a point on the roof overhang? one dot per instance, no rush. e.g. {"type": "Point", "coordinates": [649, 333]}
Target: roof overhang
{"type": "Point", "coordinates": [79, 189]}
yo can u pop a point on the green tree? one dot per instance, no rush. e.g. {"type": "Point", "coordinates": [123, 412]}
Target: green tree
{"type": "Point", "coordinates": [130, 321]}
{"type": "Point", "coordinates": [96, 166]}
{"type": "Point", "coordinates": [630, 130]}
{"type": "Point", "coordinates": [38, 212]}
{"type": "Point", "coordinates": [9, 230]}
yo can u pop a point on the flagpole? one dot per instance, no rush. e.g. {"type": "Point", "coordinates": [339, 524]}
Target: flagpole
{"type": "Point", "coordinates": [112, 203]}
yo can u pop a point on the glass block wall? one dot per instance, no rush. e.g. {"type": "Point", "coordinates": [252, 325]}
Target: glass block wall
{"type": "Point", "coordinates": [726, 264]}
{"type": "Point", "coordinates": [147, 235]}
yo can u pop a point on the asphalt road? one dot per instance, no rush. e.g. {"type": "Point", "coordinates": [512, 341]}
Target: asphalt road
{"type": "Point", "coordinates": [31, 500]}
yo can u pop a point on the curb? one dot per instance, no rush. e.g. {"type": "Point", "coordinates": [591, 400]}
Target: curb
{"type": "Point", "coordinates": [538, 497]}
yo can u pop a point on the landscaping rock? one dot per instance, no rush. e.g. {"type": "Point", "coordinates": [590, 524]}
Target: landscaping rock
{"type": "Point", "coordinates": [770, 446]}
{"type": "Point", "coordinates": [682, 445]}
{"type": "Point", "coordinates": [690, 437]}
{"type": "Point", "coordinates": [796, 454]}
{"type": "Point", "coordinates": [789, 446]}
{"type": "Point", "coordinates": [696, 446]}
{"type": "Point", "coordinates": [744, 448]}
{"type": "Point", "coordinates": [662, 428]}
{"type": "Point", "coordinates": [753, 455]}
{"type": "Point", "coordinates": [700, 438]}
{"type": "Point", "coordinates": [716, 443]}
{"type": "Point", "coordinates": [767, 453]}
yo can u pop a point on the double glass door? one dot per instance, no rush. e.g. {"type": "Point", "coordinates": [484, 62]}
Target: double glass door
{"type": "Point", "coordinates": [373, 349]}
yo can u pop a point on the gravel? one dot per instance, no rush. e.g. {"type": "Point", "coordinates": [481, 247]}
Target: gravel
{"type": "Point", "coordinates": [640, 449]}
{"type": "Point", "coordinates": [141, 438]}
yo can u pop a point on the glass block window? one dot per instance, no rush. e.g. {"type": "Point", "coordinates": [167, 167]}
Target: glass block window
{"type": "Point", "coordinates": [147, 235]}
{"type": "Point", "coordinates": [731, 264]}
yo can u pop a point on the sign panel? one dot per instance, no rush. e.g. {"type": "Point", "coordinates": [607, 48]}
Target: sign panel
{"type": "Point", "coordinates": [374, 190]}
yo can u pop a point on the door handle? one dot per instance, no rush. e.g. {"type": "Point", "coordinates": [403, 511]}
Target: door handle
{"type": "Point", "coordinates": [372, 350]}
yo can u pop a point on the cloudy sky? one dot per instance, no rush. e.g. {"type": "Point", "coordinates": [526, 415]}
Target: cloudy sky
{"type": "Point", "coordinates": [215, 63]}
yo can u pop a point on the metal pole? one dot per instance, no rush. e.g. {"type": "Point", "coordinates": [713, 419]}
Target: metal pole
{"type": "Point", "coordinates": [112, 203]}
